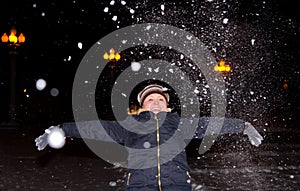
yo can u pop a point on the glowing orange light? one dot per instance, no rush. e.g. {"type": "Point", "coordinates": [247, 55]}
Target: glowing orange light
{"type": "Point", "coordinates": [222, 67]}
{"type": "Point", "coordinates": [285, 85]}
{"type": "Point", "coordinates": [21, 38]}
{"type": "Point", "coordinates": [105, 56]}
{"type": "Point", "coordinates": [117, 56]}
{"type": "Point", "coordinates": [112, 55]}
{"type": "Point", "coordinates": [12, 38]}
{"type": "Point", "coordinates": [112, 51]}
{"type": "Point", "coordinates": [4, 38]}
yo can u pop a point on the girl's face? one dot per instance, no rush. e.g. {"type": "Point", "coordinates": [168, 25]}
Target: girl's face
{"type": "Point", "coordinates": [155, 102]}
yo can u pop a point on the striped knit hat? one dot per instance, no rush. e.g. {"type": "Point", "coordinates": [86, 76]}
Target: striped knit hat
{"type": "Point", "coordinates": [153, 88]}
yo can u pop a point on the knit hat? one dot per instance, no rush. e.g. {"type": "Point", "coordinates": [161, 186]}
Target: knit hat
{"type": "Point", "coordinates": [153, 88]}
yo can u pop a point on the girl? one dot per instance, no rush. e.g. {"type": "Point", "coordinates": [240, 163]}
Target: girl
{"type": "Point", "coordinates": [155, 139]}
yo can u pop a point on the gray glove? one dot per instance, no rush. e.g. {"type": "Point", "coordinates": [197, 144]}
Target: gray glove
{"type": "Point", "coordinates": [42, 141]}
{"type": "Point", "coordinates": [253, 135]}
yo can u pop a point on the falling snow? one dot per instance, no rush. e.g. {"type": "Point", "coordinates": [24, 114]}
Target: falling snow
{"type": "Point", "coordinates": [253, 38]}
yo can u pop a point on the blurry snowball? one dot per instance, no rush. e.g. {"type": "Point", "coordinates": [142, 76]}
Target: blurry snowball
{"type": "Point", "coordinates": [225, 21]}
{"type": "Point", "coordinates": [196, 91]}
{"type": "Point", "coordinates": [189, 37]}
{"type": "Point", "coordinates": [115, 18]}
{"type": "Point", "coordinates": [112, 183]}
{"type": "Point", "coordinates": [54, 92]}
{"type": "Point", "coordinates": [56, 138]}
{"type": "Point", "coordinates": [112, 2]}
{"type": "Point", "coordinates": [79, 45]}
{"type": "Point", "coordinates": [123, 2]}
{"type": "Point", "coordinates": [131, 11]}
{"type": "Point", "coordinates": [135, 66]}
{"type": "Point", "coordinates": [146, 145]}
{"type": "Point", "coordinates": [105, 9]}
{"type": "Point", "coordinates": [40, 84]}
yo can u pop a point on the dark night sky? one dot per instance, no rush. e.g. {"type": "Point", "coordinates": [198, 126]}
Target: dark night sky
{"type": "Point", "coordinates": [53, 28]}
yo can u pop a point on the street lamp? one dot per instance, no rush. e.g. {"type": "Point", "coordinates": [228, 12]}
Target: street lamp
{"type": "Point", "coordinates": [112, 55]}
{"type": "Point", "coordinates": [12, 41]}
{"type": "Point", "coordinates": [222, 67]}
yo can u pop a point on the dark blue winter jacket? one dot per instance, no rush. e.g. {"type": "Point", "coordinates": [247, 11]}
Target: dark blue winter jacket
{"type": "Point", "coordinates": [155, 144]}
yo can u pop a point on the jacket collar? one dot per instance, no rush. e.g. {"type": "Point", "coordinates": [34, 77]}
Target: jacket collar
{"type": "Point", "coordinates": [141, 110]}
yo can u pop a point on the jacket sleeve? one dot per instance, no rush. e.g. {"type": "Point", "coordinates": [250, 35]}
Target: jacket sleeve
{"type": "Point", "coordinates": [200, 127]}
{"type": "Point", "coordinates": [109, 131]}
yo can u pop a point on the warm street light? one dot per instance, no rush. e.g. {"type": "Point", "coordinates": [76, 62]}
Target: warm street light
{"type": "Point", "coordinates": [222, 67]}
{"type": "Point", "coordinates": [285, 84]}
{"type": "Point", "coordinates": [12, 41]}
{"type": "Point", "coordinates": [112, 55]}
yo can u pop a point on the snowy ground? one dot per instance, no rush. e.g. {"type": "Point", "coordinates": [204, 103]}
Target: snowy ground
{"type": "Point", "coordinates": [273, 166]}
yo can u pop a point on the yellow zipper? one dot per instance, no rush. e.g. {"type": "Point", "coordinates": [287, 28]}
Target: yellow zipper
{"type": "Point", "coordinates": [158, 154]}
{"type": "Point", "coordinates": [128, 178]}
{"type": "Point", "coordinates": [188, 174]}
